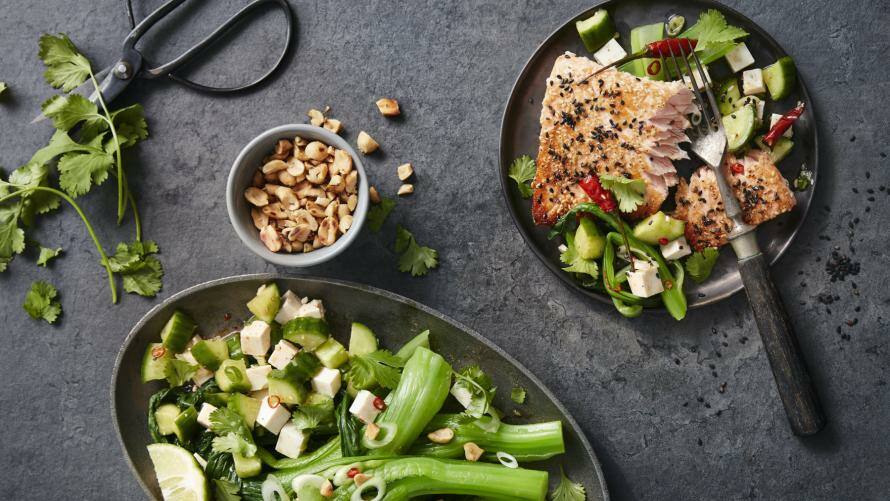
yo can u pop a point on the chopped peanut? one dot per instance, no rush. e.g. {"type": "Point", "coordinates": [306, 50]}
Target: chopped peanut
{"type": "Point", "coordinates": [333, 125]}
{"type": "Point", "coordinates": [406, 189]}
{"type": "Point", "coordinates": [372, 431]}
{"type": "Point", "coordinates": [472, 451]}
{"type": "Point", "coordinates": [388, 107]}
{"type": "Point", "coordinates": [441, 436]}
{"type": "Point", "coordinates": [375, 197]}
{"type": "Point", "coordinates": [366, 143]}
{"type": "Point", "coordinates": [316, 117]}
{"type": "Point", "coordinates": [405, 171]}
{"type": "Point", "coordinates": [360, 478]}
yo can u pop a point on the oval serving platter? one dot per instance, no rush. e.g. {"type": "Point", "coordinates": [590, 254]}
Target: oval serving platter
{"type": "Point", "coordinates": [520, 128]}
{"type": "Point", "coordinates": [393, 318]}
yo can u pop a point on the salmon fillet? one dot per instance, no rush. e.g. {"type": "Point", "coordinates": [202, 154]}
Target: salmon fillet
{"type": "Point", "coordinates": [615, 123]}
{"type": "Point", "coordinates": [761, 190]}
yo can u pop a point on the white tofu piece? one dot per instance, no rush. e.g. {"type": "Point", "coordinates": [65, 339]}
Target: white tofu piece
{"type": "Point", "coordinates": [363, 407]}
{"type": "Point", "coordinates": [272, 418]}
{"type": "Point", "coordinates": [313, 309]}
{"type": "Point", "coordinates": [292, 441]}
{"type": "Point", "coordinates": [752, 82]}
{"type": "Point", "coordinates": [192, 341]}
{"type": "Point", "coordinates": [204, 414]}
{"type": "Point", "coordinates": [187, 357]}
{"type": "Point", "coordinates": [290, 305]}
{"type": "Point", "coordinates": [327, 382]}
{"type": "Point", "coordinates": [739, 58]}
{"type": "Point", "coordinates": [258, 375]}
{"type": "Point", "coordinates": [283, 353]}
{"type": "Point", "coordinates": [255, 338]}
{"type": "Point", "coordinates": [609, 53]}
{"type": "Point", "coordinates": [759, 105]}
{"type": "Point", "coordinates": [675, 249]}
{"type": "Point", "coordinates": [200, 461]}
{"type": "Point", "coordinates": [462, 395]}
{"type": "Point", "coordinates": [699, 84]}
{"type": "Point", "coordinates": [775, 118]}
{"type": "Point", "coordinates": [644, 281]}
{"type": "Point", "coordinates": [202, 376]}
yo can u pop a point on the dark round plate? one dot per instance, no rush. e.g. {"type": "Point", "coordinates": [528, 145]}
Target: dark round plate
{"type": "Point", "coordinates": [394, 318]}
{"type": "Point", "coordinates": [520, 129]}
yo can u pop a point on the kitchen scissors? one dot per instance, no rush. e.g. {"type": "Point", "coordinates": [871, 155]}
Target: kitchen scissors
{"type": "Point", "coordinates": [132, 65]}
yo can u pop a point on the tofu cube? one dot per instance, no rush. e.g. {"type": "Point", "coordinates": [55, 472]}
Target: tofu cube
{"type": "Point", "coordinates": [699, 84]}
{"type": "Point", "coordinates": [290, 305]}
{"type": "Point", "coordinates": [752, 82]}
{"type": "Point", "coordinates": [313, 309]}
{"type": "Point", "coordinates": [644, 281]}
{"type": "Point", "coordinates": [283, 353]}
{"type": "Point", "coordinates": [204, 414]}
{"type": "Point", "coordinates": [187, 357]}
{"type": "Point", "coordinates": [258, 375]}
{"type": "Point", "coordinates": [363, 407]}
{"type": "Point", "coordinates": [675, 249]}
{"type": "Point", "coordinates": [739, 58]}
{"type": "Point", "coordinates": [462, 395]}
{"type": "Point", "coordinates": [273, 418]}
{"type": "Point", "coordinates": [291, 441]}
{"type": "Point", "coordinates": [255, 338]}
{"type": "Point", "coordinates": [775, 118]}
{"type": "Point", "coordinates": [202, 376]}
{"type": "Point", "coordinates": [327, 382]}
{"type": "Point", "coordinates": [609, 53]}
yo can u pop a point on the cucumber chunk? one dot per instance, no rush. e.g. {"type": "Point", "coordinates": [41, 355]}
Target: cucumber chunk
{"type": "Point", "coordinates": [232, 376]}
{"type": "Point", "coordinates": [165, 416]}
{"type": "Point", "coordinates": [185, 424]}
{"type": "Point", "coordinates": [246, 467]}
{"type": "Point", "coordinates": [596, 30]}
{"type": "Point", "coordinates": [246, 406]}
{"type": "Point", "coordinates": [178, 331]}
{"type": "Point", "coordinates": [218, 399]}
{"type": "Point", "coordinates": [288, 390]}
{"type": "Point", "coordinates": [645, 67]}
{"type": "Point", "coordinates": [154, 361]}
{"type": "Point", "coordinates": [780, 78]}
{"type": "Point", "coordinates": [659, 226]}
{"type": "Point", "coordinates": [421, 340]}
{"type": "Point", "coordinates": [361, 340]}
{"type": "Point", "coordinates": [300, 369]}
{"type": "Point", "coordinates": [740, 126]}
{"type": "Point", "coordinates": [318, 399]}
{"type": "Point", "coordinates": [233, 343]}
{"type": "Point", "coordinates": [728, 95]}
{"type": "Point", "coordinates": [589, 240]}
{"type": "Point", "coordinates": [307, 332]}
{"type": "Point", "coordinates": [210, 352]}
{"type": "Point", "coordinates": [779, 151]}
{"type": "Point", "coordinates": [332, 354]}
{"type": "Point", "coordinates": [266, 303]}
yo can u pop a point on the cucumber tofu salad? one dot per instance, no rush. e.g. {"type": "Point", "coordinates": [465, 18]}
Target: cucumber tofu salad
{"type": "Point", "coordinates": [605, 168]}
{"type": "Point", "coordinates": [282, 410]}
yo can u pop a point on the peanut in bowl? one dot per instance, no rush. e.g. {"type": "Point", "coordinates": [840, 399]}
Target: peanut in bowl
{"type": "Point", "coordinates": [297, 195]}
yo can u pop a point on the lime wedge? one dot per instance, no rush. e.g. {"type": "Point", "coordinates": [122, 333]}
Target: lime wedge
{"type": "Point", "coordinates": [180, 477]}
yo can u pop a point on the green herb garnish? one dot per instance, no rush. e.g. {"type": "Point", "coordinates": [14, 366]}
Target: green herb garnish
{"type": "Point", "coordinates": [577, 264]}
{"type": "Point", "coordinates": [47, 254]}
{"type": "Point", "coordinates": [378, 213]}
{"type": "Point", "coordinates": [517, 394]}
{"type": "Point", "coordinates": [480, 388]}
{"type": "Point", "coordinates": [414, 258]}
{"type": "Point", "coordinates": [568, 490]}
{"type": "Point", "coordinates": [522, 170]}
{"type": "Point", "coordinates": [178, 372]}
{"type": "Point", "coordinates": [628, 192]}
{"type": "Point", "coordinates": [700, 264]}
{"type": "Point", "coordinates": [378, 367]}
{"type": "Point", "coordinates": [40, 302]}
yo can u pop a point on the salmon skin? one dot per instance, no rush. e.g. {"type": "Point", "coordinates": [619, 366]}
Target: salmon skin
{"type": "Point", "coordinates": [614, 123]}
{"type": "Point", "coordinates": [760, 188]}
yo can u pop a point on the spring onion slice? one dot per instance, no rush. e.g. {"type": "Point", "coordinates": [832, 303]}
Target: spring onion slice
{"type": "Point", "coordinates": [388, 430]}
{"type": "Point", "coordinates": [273, 490]}
{"type": "Point", "coordinates": [375, 483]}
{"type": "Point", "coordinates": [507, 460]}
{"type": "Point", "coordinates": [341, 477]}
{"type": "Point", "coordinates": [303, 480]}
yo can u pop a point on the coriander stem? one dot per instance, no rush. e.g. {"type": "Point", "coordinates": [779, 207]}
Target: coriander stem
{"type": "Point", "coordinates": [86, 223]}
{"type": "Point", "coordinates": [121, 179]}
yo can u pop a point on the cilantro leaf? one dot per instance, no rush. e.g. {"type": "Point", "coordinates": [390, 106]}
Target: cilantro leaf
{"type": "Point", "coordinates": [628, 192]}
{"type": "Point", "coordinates": [568, 490]}
{"type": "Point", "coordinates": [700, 264]}
{"type": "Point", "coordinates": [480, 387]}
{"type": "Point", "coordinates": [3, 88]}
{"type": "Point", "coordinates": [129, 123]}
{"type": "Point", "coordinates": [522, 170]}
{"type": "Point", "coordinates": [47, 254]}
{"type": "Point", "coordinates": [80, 171]}
{"type": "Point", "coordinates": [4, 262]}
{"type": "Point", "coordinates": [378, 213]}
{"type": "Point", "coordinates": [308, 417]}
{"type": "Point", "coordinates": [712, 28]}
{"type": "Point", "coordinates": [415, 259]}
{"type": "Point", "coordinates": [224, 490]}
{"type": "Point", "coordinates": [140, 271]}
{"type": "Point", "coordinates": [36, 202]}
{"type": "Point", "coordinates": [40, 302]}
{"type": "Point", "coordinates": [178, 372]}
{"type": "Point", "coordinates": [66, 67]}
{"type": "Point", "coordinates": [68, 111]}
{"type": "Point", "coordinates": [235, 444]}
{"type": "Point", "coordinates": [225, 421]}
{"type": "Point", "coordinates": [517, 394]}
{"type": "Point", "coordinates": [12, 238]}
{"type": "Point", "coordinates": [378, 367]}
{"type": "Point", "coordinates": [577, 264]}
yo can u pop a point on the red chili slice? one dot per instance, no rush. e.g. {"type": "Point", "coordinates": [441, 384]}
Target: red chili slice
{"type": "Point", "coordinates": [663, 241]}
{"type": "Point", "coordinates": [737, 168]}
{"type": "Point", "coordinates": [379, 404]}
{"type": "Point", "coordinates": [654, 67]}
{"type": "Point", "coordinates": [782, 124]}
{"type": "Point", "coordinates": [158, 352]}
{"type": "Point", "coordinates": [353, 472]}
{"type": "Point", "coordinates": [274, 401]}
{"type": "Point", "coordinates": [600, 196]}
{"type": "Point", "coordinates": [671, 46]}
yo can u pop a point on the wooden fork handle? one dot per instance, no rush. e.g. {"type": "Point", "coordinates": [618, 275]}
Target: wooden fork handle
{"type": "Point", "coordinates": [789, 369]}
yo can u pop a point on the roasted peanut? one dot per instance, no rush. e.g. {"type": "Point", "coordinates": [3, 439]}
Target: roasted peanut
{"type": "Point", "coordinates": [441, 436]}
{"type": "Point", "coordinates": [406, 189]}
{"type": "Point", "coordinates": [327, 231]}
{"type": "Point", "coordinates": [375, 197]}
{"type": "Point", "coordinates": [472, 451]}
{"type": "Point", "coordinates": [388, 107]}
{"type": "Point", "coordinates": [405, 171]}
{"type": "Point", "coordinates": [260, 220]}
{"type": "Point", "coordinates": [316, 117]}
{"type": "Point", "coordinates": [274, 166]}
{"type": "Point", "coordinates": [316, 150]}
{"type": "Point", "coordinates": [366, 143]}
{"type": "Point", "coordinates": [269, 237]}
{"type": "Point", "coordinates": [256, 196]}
{"type": "Point", "coordinates": [333, 125]}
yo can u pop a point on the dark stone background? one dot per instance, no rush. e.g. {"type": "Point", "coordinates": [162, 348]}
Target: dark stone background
{"type": "Point", "coordinates": [645, 391]}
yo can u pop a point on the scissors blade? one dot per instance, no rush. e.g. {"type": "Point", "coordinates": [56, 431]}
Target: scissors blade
{"type": "Point", "coordinates": [86, 89]}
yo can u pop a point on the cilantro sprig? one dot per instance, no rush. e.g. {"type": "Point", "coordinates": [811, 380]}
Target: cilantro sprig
{"type": "Point", "coordinates": [415, 259]}
{"type": "Point", "coordinates": [378, 213]}
{"type": "Point", "coordinates": [522, 170]}
{"type": "Point", "coordinates": [378, 367]}
{"type": "Point", "coordinates": [715, 36]}
{"type": "Point", "coordinates": [700, 264]}
{"type": "Point", "coordinates": [628, 192]}
{"type": "Point", "coordinates": [481, 389]}
{"type": "Point", "coordinates": [567, 490]}
{"type": "Point", "coordinates": [41, 303]}
{"type": "Point", "coordinates": [576, 263]}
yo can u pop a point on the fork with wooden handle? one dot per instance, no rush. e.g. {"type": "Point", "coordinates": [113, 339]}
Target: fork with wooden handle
{"type": "Point", "coordinates": [789, 369]}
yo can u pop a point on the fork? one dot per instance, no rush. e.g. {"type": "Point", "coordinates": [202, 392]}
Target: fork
{"type": "Point", "coordinates": [789, 369]}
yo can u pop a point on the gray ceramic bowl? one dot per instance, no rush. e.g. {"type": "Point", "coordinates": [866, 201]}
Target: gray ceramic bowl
{"type": "Point", "coordinates": [394, 319]}
{"type": "Point", "coordinates": [241, 175]}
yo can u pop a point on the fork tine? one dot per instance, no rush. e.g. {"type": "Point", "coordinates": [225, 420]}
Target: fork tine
{"type": "Point", "coordinates": [698, 95]}
{"type": "Point", "coordinates": [708, 91]}
{"type": "Point", "coordinates": [697, 126]}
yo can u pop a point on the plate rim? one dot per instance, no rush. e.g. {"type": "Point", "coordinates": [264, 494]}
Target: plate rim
{"type": "Point", "coordinates": [503, 162]}
{"type": "Point", "coordinates": [585, 443]}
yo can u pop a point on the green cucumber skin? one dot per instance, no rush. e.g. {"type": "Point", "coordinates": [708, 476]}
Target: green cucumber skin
{"type": "Point", "coordinates": [639, 37]}
{"type": "Point", "coordinates": [210, 352]}
{"type": "Point", "coordinates": [421, 340]}
{"type": "Point", "coordinates": [361, 340]}
{"type": "Point", "coordinates": [290, 392]}
{"type": "Point", "coordinates": [780, 78]}
{"type": "Point", "coordinates": [658, 226]}
{"type": "Point", "coordinates": [741, 123]}
{"type": "Point", "coordinates": [332, 354]}
{"type": "Point", "coordinates": [596, 30]}
{"type": "Point", "coordinates": [226, 379]}
{"type": "Point", "coordinates": [307, 332]}
{"type": "Point", "coordinates": [153, 368]}
{"type": "Point", "coordinates": [266, 303]}
{"type": "Point", "coordinates": [178, 331]}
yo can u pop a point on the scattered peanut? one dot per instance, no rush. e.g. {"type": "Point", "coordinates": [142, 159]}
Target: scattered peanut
{"type": "Point", "coordinates": [316, 117]}
{"type": "Point", "coordinates": [388, 107]}
{"type": "Point", "coordinates": [372, 431]}
{"type": "Point", "coordinates": [375, 197]}
{"type": "Point", "coordinates": [405, 171]}
{"type": "Point", "coordinates": [360, 478]}
{"type": "Point", "coordinates": [441, 436]}
{"type": "Point", "coordinates": [345, 223]}
{"type": "Point", "coordinates": [333, 125]}
{"type": "Point", "coordinates": [406, 189]}
{"type": "Point", "coordinates": [472, 451]}
{"type": "Point", "coordinates": [366, 143]}
{"type": "Point", "coordinates": [327, 489]}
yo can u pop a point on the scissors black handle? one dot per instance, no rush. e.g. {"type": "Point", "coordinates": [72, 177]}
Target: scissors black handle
{"type": "Point", "coordinates": [169, 69]}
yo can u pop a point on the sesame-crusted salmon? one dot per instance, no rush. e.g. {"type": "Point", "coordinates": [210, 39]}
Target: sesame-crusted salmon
{"type": "Point", "coordinates": [760, 188]}
{"type": "Point", "coordinates": [614, 123]}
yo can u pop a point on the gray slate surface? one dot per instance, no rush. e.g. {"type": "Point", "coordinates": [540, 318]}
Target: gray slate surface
{"type": "Point", "coordinates": [646, 391]}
